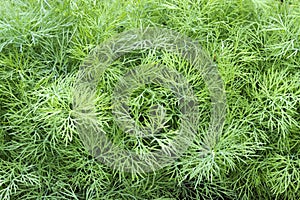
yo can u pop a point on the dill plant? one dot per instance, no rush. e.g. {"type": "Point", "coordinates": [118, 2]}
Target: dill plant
{"type": "Point", "coordinates": [255, 45]}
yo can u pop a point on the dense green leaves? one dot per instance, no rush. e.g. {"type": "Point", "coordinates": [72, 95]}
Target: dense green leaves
{"type": "Point", "coordinates": [256, 45]}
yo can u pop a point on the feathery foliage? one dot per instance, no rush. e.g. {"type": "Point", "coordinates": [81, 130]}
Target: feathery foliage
{"type": "Point", "coordinates": [256, 46]}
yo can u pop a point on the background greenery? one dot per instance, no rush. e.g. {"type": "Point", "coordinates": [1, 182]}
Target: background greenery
{"type": "Point", "coordinates": [256, 45]}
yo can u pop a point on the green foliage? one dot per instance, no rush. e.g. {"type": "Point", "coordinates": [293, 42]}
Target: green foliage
{"type": "Point", "coordinates": [256, 45]}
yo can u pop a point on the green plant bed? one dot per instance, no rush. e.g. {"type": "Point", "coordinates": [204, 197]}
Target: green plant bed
{"type": "Point", "coordinates": [256, 47]}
